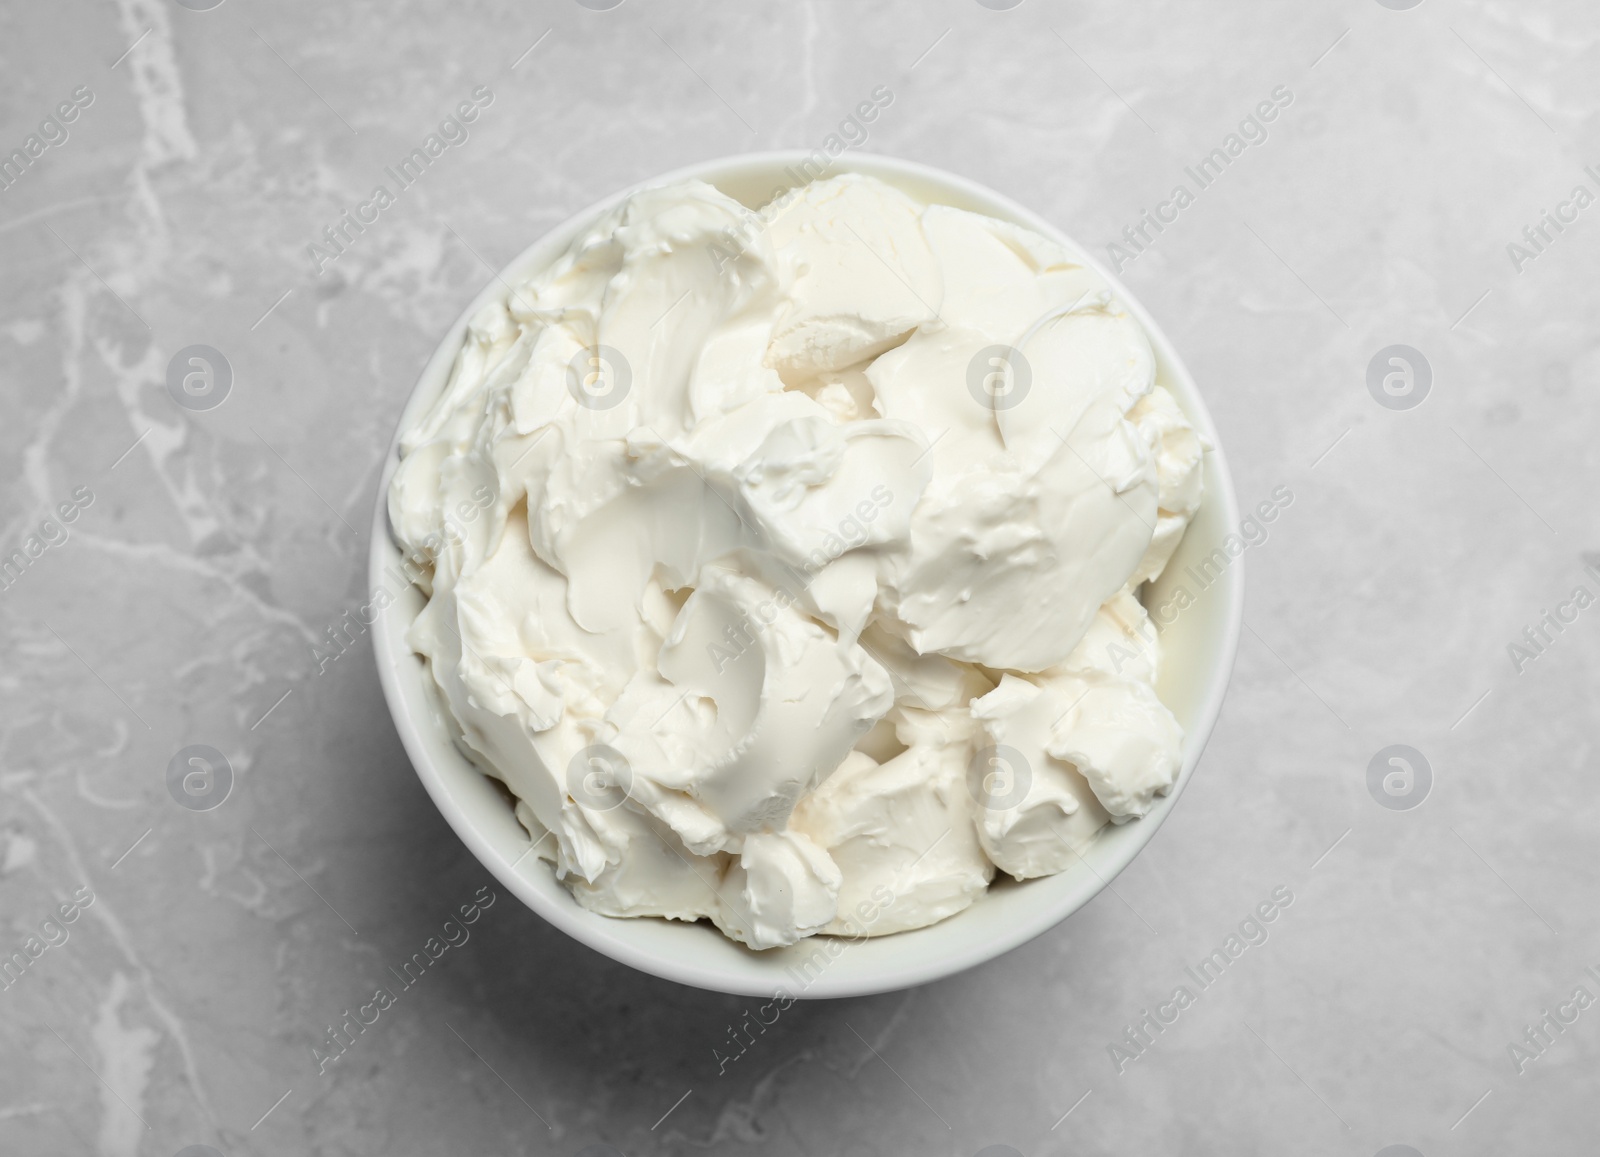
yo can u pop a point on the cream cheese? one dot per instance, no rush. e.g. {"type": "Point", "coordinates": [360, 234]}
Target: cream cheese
{"type": "Point", "coordinates": [793, 582]}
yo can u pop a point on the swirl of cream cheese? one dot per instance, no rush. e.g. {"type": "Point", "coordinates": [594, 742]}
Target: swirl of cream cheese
{"type": "Point", "coordinates": [737, 566]}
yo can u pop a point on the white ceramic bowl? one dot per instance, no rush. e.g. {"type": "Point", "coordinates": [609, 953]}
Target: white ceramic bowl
{"type": "Point", "coordinates": [1199, 647]}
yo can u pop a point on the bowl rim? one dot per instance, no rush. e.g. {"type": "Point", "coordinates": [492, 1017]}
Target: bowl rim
{"type": "Point", "coordinates": [609, 935]}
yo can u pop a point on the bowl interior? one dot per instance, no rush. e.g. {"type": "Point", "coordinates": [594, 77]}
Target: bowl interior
{"type": "Point", "coordinates": [1200, 630]}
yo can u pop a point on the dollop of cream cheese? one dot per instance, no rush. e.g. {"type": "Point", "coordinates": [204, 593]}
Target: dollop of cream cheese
{"type": "Point", "coordinates": [783, 564]}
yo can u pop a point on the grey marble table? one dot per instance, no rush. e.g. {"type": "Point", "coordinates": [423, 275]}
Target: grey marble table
{"type": "Point", "coordinates": [183, 560]}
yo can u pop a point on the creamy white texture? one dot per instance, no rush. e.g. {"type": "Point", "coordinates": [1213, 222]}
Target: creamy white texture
{"type": "Point", "coordinates": [774, 593]}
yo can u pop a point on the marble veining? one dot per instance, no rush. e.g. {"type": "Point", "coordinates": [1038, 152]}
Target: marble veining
{"type": "Point", "coordinates": [181, 538]}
